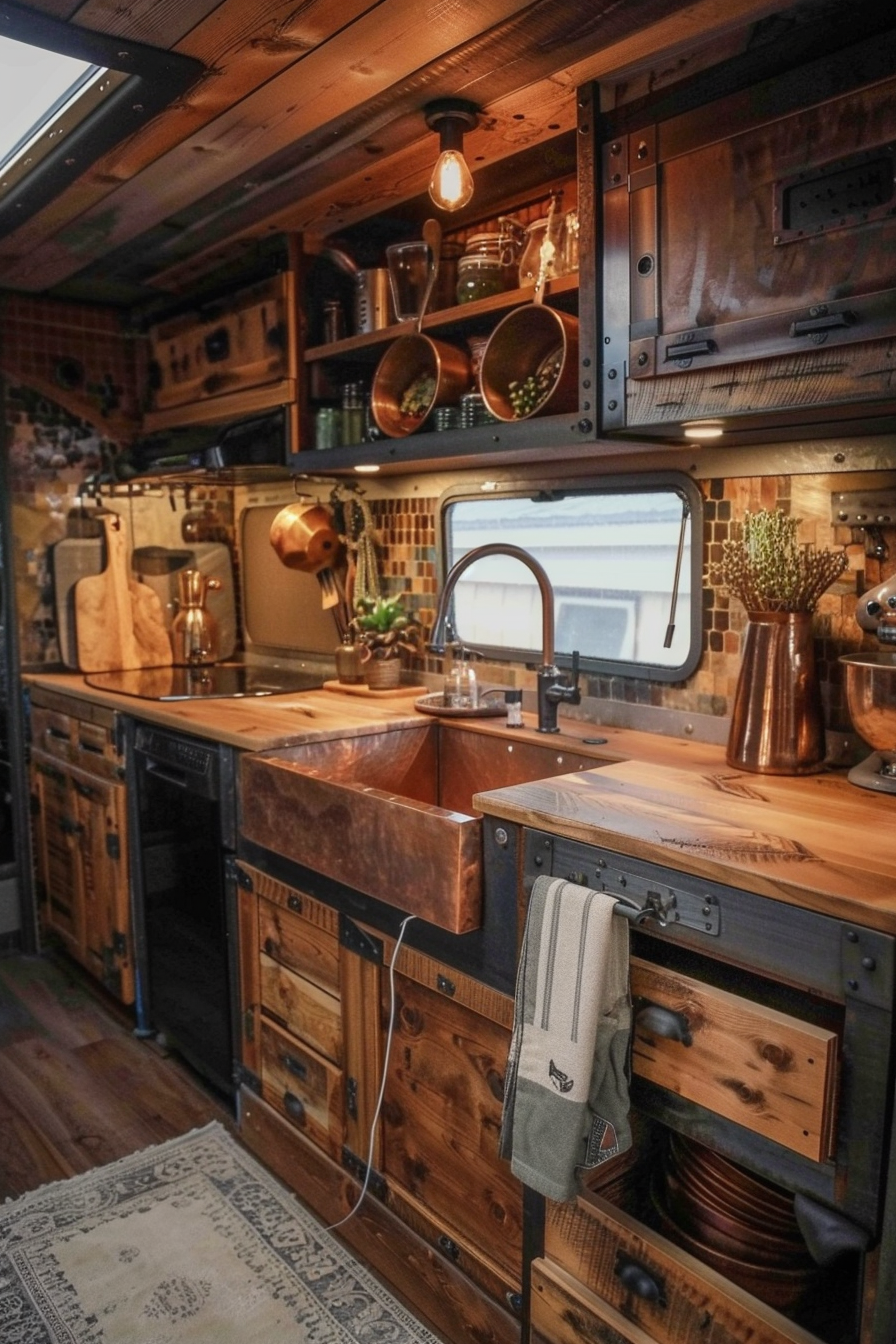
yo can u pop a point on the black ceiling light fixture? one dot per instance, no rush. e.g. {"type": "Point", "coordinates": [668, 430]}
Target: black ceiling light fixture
{"type": "Point", "coordinates": [451, 184]}
{"type": "Point", "coordinates": [115, 87]}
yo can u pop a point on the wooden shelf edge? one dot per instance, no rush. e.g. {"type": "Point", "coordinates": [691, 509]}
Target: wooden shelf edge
{"type": "Point", "coordinates": [443, 317]}
{"type": "Point", "coordinates": [229, 406]}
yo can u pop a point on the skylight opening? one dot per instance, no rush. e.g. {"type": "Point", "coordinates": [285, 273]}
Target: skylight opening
{"type": "Point", "coordinates": [39, 87]}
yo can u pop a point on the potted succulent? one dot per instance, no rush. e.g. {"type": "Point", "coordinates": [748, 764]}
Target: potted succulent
{"type": "Point", "coordinates": [776, 720]}
{"type": "Point", "coordinates": [383, 629]}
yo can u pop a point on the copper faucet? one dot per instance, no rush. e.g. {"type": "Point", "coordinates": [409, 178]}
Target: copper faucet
{"type": "Point", "coordinates": [552, 686]}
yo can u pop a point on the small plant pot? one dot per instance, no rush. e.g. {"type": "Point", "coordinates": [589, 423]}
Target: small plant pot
{"type": "Point", "coordinates": [382, 674]}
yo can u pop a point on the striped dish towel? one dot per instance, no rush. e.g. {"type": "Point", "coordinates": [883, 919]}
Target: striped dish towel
{"type": "Point", "coordinates": [566, 1093]}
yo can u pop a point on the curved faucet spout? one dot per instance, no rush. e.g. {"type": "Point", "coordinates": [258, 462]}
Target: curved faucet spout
{"type": "Point", "coordinates": [552, 688]}
{"type": "Point", "coordinates": [438, 637]}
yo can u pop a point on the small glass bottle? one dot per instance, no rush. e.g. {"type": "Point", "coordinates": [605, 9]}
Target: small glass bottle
{"type": "Point", "coordinates": [328, 427]}
{"type": "Point", "coordinates": [352, 413]}
{"type": "Point", "coordinates": [513, 699]}
{"type": "Point", "coordinates": [461, 686]}
{"type": "Point", "coordinates": [334, 321]}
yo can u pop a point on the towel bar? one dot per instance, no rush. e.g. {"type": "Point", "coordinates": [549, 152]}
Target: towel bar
{"type": "Point", "coordinates": [637, 914]}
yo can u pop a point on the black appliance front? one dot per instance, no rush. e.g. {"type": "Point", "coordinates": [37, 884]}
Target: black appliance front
{"type": "Point", "coordinates": [184, 928]}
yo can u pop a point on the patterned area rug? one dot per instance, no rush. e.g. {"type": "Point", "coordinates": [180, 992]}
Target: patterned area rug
{"type": "Point", "coordinates": [191, 1242]}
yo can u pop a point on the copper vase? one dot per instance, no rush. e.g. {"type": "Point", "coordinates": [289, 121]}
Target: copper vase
{"type": "Point", "coordinates": [776, 722]}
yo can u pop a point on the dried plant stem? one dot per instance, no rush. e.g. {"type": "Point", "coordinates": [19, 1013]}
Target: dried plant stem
{"type": "Point", "coordinates": [768, 569]}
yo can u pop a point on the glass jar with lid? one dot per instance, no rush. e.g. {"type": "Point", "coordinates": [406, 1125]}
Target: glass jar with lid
{"type": "Point", "coordinates": [480, 271]}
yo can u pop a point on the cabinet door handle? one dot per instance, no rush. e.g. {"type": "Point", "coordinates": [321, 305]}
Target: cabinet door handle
{"type": "Point", "coordinates": [56, 734]}
{"type": "Point", "coordinates": [822, 322]}
{"type": "Point", "coordinates": [689, 349]}
{"type": "Point", "coordinates": [653, 1017]}
{"type": "Point", "coordinates": [85, 790]}
{"type": "Point", "coordinates": [639, 1280]}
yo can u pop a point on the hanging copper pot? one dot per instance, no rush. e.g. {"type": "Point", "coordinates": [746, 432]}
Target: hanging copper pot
{"type": "Point", "coordinates": [305, 539]}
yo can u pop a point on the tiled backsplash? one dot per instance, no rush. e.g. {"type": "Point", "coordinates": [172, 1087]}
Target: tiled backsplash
{"type": "Point", "coordinates": [52, 453]}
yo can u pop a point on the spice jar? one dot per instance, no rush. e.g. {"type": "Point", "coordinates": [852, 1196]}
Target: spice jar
{"type": "Point", "coordinates": [480, 271]}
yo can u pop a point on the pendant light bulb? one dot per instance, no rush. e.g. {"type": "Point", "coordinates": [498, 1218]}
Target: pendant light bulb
{"type": "Point", "coordinates": [451, 184]}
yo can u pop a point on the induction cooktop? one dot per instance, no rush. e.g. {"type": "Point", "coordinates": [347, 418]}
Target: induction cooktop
{"type": "Point", "coordinates": [214, 681]}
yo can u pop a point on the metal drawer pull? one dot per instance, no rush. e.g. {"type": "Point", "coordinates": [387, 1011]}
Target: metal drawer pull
{"type": "Point", "coordinates": [822, 322]}
{"type": "Point", "coordinates": [638, 1280]}
{"type": "Point", "coordinates": [294, 1108]}
{"type": "Point", "coordinates": [653, 1017]}
{"type": "Point", "coordinates": [688, 349]}
{"type": "Point", "coordinates": [294, 1066]}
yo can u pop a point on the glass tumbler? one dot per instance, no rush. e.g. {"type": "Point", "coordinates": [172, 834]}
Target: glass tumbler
{"type": "Point", "coordinates": [408, 271]}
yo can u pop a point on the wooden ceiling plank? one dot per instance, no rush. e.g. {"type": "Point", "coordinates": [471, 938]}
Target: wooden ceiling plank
{"type": "Point", "coordinates": [367, 57]}
{"type": "Point", "coordinates": [241, 53]}
{"type": "Point", "coordinates": [158, 23]}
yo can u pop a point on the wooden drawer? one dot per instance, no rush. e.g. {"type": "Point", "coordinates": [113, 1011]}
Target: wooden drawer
{"type": "Point", "coordinates": [763, 1069]}
{"type": "Point", "coordinates": [309, 1012]}
{"type": "Point", "coordinates": [303, 1087]}
{"type": "Point", "coordinates": [285, 935]}
{"type": "Point", "coordinates": [593, 1240]}
{"type": "Point", "coordinates": [564, 1311]}
{"type": "Point", "coordinates": [51, 732]}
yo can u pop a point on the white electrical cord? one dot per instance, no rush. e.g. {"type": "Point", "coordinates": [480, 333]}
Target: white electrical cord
{"type": "Point", "coordinates": [379, 1101]}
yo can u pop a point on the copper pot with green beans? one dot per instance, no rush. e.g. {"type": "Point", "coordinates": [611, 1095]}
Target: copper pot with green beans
{"type": "Point", "coordinates": [530, 365]}
{"type": "Point", "coordinates": [415, 375]}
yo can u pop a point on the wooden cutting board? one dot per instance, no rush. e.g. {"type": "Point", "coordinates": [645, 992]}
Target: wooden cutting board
{"type": "Point", "coordinates": [118, 622]}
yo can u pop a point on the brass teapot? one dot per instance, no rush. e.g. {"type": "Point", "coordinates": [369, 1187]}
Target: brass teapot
{"type": "Point", "coordinates": [194, 630]}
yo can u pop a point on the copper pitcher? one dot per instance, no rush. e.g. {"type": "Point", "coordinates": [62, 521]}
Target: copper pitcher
{"type": "Point", "coordinates": [194, 630]}
{"type": "Point", "coordinates": [776, 722]}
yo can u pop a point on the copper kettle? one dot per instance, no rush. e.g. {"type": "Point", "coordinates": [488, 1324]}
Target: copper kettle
{"type": "Point", "coordinates": [194, 630]}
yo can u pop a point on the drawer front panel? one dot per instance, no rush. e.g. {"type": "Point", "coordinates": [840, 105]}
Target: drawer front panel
{"type": "Point", "coordinates": [51, 732]}
{"type": "Point", "coordinates": [309, 1012]}
{"type": "Point", "coordinates": [763, 1069]}
{"type": "Point", "coordinates": [563, 1311]}
{"type": "Point", "coordinates": [301, 946]}
{"type": "Point", "coordinates": [594, 1241]}
{"type": "Point", "coordinates": [303, 1087]}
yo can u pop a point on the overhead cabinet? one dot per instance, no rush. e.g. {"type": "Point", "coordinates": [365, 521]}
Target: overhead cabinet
{"type": "Point", "coordinates": [749, 254]}
{"type": "Point", "coordinates": [226, 359]}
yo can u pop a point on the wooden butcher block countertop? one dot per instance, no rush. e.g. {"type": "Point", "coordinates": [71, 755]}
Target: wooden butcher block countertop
{"type": "Point", "coordinates": [252, 723]}
{"type": "Point", "coordinates": [816, 841]}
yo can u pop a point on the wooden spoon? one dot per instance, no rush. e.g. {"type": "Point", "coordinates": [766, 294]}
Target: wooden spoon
{"type": "Point", "coordinates": [432, 237]}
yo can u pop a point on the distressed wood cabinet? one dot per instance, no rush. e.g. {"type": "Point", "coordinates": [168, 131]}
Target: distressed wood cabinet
{"type": "Point", "coordinates": [80, 836]}
{"type": "Point", "coordinates": [442, 1117]}
{"type": "Point", "coordinates": [442, 1216]}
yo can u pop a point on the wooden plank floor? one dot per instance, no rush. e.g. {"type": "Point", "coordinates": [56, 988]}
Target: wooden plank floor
{"type": "Point", "coordinates": [77, 1088]}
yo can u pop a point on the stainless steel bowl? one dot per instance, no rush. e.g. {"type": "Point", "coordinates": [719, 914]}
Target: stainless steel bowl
{"type": "Point", "coordinates": [871, 698]}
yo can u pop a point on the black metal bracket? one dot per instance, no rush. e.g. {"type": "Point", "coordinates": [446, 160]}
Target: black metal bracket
{"type": "Point", "coordinates": [358, 1168]}
{"type": "Point", "coordinates": [355, 939]}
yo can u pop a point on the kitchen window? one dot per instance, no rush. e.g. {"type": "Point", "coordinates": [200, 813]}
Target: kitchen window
{"type": "Point", "coordinates": [624, 558]}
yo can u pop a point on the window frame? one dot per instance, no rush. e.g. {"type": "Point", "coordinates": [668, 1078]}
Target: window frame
{"type": "Point", "coordinates": [628, 483]}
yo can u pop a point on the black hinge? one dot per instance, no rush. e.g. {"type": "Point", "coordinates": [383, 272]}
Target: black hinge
{"type": "Point", "coordinates": [356, 940]}
{"type": "Point", "coordinates": [244, 1077]}
{"type": "Point", "coordinates": [244, 879]}
{"type": "Point", "coordinates": [358, 1168]}
{"type": "Point", "coordinates": [119, 943]}
{"type": "Point", "coordinates": [113, 846]}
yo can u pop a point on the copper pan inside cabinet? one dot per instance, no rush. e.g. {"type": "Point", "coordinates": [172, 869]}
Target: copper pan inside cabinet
{"type": "Point", "coordinates": [749, 250]}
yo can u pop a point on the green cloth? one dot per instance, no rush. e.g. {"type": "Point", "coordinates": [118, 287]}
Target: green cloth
{"type": "Point", "coordinates": [566, 1096]}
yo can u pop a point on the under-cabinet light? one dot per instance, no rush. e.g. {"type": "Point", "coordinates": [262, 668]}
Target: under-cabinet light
{"type": "Point", "coordinates": [704, 429]}
{"type": "Point", "coordinates": [366, 468]}
{"type": "Point", "coordinates": [451, 184]}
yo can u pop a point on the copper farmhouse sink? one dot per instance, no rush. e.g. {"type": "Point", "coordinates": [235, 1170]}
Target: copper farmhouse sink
{"type": "Point", "coordinates": [390, 813]}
